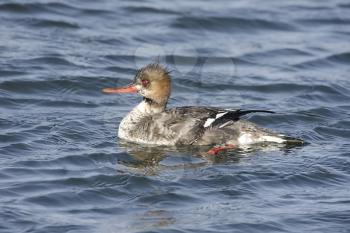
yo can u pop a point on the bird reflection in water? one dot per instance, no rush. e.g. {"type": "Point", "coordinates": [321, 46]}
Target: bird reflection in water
{"type": "Point", "coordinates": [153, 160]}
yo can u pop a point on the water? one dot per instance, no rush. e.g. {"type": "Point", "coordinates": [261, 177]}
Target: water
{"type": "Point", "coordinates": [62, 168]}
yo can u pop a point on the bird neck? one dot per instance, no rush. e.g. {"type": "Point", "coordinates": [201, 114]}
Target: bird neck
{"type": "Point", "coordinates": [148, 106]}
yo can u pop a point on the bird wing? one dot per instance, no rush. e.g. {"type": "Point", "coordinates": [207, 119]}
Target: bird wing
{"type": "Point", "coordinates": [186, 124]}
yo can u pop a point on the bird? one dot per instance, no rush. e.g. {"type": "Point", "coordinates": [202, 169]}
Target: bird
{"type": "Point", "coordinates": [152, 123]}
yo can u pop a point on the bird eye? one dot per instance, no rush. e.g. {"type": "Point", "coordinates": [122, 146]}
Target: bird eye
{"type": "Point", "coordinates": [145, 82]}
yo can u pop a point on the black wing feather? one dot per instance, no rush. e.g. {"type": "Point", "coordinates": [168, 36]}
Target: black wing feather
{"type": "Point", "coordinates": [204, 113]}
{"type": "Point", "coordinates": [235, 116]}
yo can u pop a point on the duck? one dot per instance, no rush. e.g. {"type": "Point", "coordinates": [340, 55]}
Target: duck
{"type": "Point", "coordinates": [152, 123]}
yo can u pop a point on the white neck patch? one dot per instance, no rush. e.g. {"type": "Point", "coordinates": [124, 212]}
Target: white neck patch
{"type": "Point", "coordinates": [146, 108]}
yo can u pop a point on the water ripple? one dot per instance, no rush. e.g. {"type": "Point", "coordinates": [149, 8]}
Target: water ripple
{"type": "Point", "coordinates": [149, 10]}
{"type": "Point", "coordinates": [50, 7]}
{"type": "Point", "coordinates": [63, 168]}
{"type": "Point", "coordinates": [232, 23]}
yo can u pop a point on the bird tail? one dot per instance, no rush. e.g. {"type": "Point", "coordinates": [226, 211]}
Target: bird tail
{"type": "Point", "coordinates": [283, 139]}
{"type": "Point", "coordinates": [293, 141]}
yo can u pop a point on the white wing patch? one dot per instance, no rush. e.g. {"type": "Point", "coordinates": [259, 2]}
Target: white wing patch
{"type": "Point", "coordinates": [210, 121]}
{"type": "Point", "coordinates": [223, 125]}
{"type": "Point", "coordinates": [220, 115]}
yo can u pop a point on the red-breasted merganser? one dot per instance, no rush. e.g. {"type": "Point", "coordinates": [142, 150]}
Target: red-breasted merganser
{"type": "Point", "coordinates": [151, 123]}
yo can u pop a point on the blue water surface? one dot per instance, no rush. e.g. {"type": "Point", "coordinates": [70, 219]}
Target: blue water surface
{"type": "Point", "coordinates": [63, 169]}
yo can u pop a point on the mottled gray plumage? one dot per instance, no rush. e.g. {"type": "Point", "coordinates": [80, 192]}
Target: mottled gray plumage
{"type": "Point", "coordinates": [151, 123]}
{"type": "Point", "coordinates": [185, 126]}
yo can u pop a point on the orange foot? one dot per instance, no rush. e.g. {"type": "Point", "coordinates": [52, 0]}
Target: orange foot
{"type": "Point", "coordinates": [217, 149]}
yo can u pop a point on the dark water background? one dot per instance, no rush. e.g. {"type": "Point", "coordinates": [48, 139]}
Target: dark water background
{"type": "Point", "coordinates": [62, 168]}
